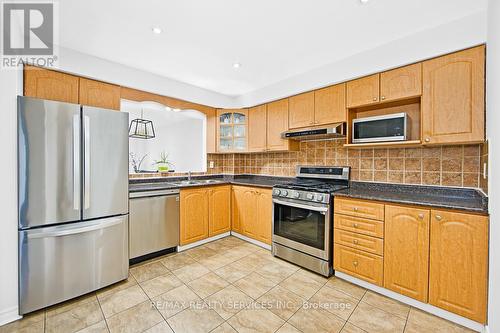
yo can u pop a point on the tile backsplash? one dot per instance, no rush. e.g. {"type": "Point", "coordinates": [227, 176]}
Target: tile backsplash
{"type": "Point", "coordinates": [459, 166]}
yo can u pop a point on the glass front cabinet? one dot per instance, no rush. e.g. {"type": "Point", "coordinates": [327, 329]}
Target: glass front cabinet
{"type": "Point", "coordinates": [232, 130]}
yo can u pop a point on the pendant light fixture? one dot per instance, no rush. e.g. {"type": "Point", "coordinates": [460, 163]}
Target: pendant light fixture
{"type": "Point", "coordinates": [141, 128]}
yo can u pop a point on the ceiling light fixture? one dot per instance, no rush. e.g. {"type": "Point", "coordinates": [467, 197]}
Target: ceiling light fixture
{"type": "Point", "coordinates": [236, 65]}
{"type": "Point", "coordinates": [157, 30]}
{"type": "Point", "coordinates": [363, 2]}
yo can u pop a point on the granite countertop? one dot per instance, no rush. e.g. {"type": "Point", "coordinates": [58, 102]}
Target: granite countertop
{"type": "Point", "coordinates": [470, 200]}
{"type": "Point", "coordinates": [155, 184]}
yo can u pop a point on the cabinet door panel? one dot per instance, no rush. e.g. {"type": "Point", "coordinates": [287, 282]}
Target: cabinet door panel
{"type": "Point", "coordinates": [359, 225]}
{"type": "Point", "coordinates": [459, 263]}
{"type": "Point", "coordinates": [194, 215]}
{"type": "Point", "coordinates": [99, 94]}
{"type": "Point", "coordinates": [406, 255]}
{"type": "Point", "coordinates": [401, 83]}
{"type": "Point", "coordinates": [359, 241]}
{"type": "Point", "coordinates": [257, 128]}
{"type": "Point", "coordinates": [453, 98]}
{"type": "Point", "coordinates": [329, 105]}
{"type": "Point", "coordinates": [277, 123]}
{"type": "Point", "coordinates": [46, 84]}
{"type": "Point", "coordinates": [360, 208]}
{"type": "Point", "coordinates": [236, 203]}
{"type": "Point", "coordinates": [301, 110]}
{"type": "Point", "coordinates": [248, 213]}
{"type": "Point", "coordinates": [360, 264]}
{"type": "Point", "coordinates": [264, 211]}
{"type": "Point", "coordinates": [363, 91]}
{"type": "Point", "coordinates": [220, 210]}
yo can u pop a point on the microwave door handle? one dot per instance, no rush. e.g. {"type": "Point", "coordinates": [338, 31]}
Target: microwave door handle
{"type": "Point", "coordinates": [322, 210]}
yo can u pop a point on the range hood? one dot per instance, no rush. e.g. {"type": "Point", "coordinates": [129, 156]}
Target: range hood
{"type": "Point", "coordinates": [326, 132]}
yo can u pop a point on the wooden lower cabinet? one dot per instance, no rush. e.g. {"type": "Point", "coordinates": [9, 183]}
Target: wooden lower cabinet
{"type": "Point", "coordinates": [252, 212]}
{"type": "Point", "coordinates": [406, 251]}
{"type": "Point", "coordinates": [360, 264]}
{"type": "Point", "coordinates": [219, 210]}
{"type": "Point", "coordinates": [459, 263]}
{"type": "Point", "coordinates": [193, 215]}
{"type": "Point", "coordinates": [205, 212]}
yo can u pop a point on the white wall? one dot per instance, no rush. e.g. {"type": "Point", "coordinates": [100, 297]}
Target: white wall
{"type": "Point", "coordinates": [493, 133]}
{"type": "Point", "coordinates": [456, 35]}
{"type": "Point", "coordinates": [10, 81]}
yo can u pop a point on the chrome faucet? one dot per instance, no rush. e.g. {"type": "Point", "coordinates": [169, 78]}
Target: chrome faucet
{"type": "Point", "coordinates": [189, 175]}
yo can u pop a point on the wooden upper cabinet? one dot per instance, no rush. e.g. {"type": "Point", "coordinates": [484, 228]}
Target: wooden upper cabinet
{"type": "Point", "coordinates": [406, 251]}
{"type": "Point", "coordinates": [220, 210]}
{"type": "Point", "coordinates": [277, 123]}
{"type": "Point", "coordinates": [211, 130]}
{"type": "Point", "coordinates": [363, 91]}
{"type": "Point", "coordinates": [453, 98]}
{"type": "Point", "coordinates": [46, 84]}
{"type": "Point", "coordinates": [301, 110]}
{"type": "Point", "coordinates": [257, 128]}
{"type": "Point", "coordinates": [329, 105]}
{"type": "Point", "coordinates": [99, 94]}
{"type": "Point", "coordinates": [194, 208]}
{"type": "Point", "coordinates": [401, 83]}
{"type": "Point", "coordinates": [459, 263]}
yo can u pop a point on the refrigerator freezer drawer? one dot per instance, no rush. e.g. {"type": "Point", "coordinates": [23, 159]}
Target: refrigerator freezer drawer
{"type": "Point", "coordinates": [62, 262]}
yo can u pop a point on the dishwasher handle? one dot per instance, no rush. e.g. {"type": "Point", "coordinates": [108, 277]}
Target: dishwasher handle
{"type": "Point", "coordinates": [145, 194]}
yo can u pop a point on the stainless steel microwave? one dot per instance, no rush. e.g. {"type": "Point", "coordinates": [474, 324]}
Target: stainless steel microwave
{"type": "Point", "coordinates": [390, 127]}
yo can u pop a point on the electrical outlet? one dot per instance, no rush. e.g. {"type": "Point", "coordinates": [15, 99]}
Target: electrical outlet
{"type": "Point", "coordinates": [212, 165]}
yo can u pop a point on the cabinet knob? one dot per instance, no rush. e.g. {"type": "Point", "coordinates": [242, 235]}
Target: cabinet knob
{"type": "Point", "coordinates": [375, 99]}
{"type": "Point", "coordinates": [421, 216]}
{"type": "Point", "coordinates": [439, 217]}
{"type": "Point", "coordinates": [382, 97]}
{"type": "Point", "coordinates": [355, 209]}
{"type": "Point", "coordinates": [355, 225]}
{"type": "Point", "coordinates": [355, 241]}
{"type": "Point", "coordinates": [427, 139]}
{"type": "Point", "coordinates": [355, 263]}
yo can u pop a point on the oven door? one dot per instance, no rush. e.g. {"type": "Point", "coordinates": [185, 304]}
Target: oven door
{"type": "Point", "coordinates": [303, 227]}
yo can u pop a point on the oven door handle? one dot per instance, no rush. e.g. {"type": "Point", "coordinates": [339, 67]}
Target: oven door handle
{"type": "Point", "coordinates": [322, 210]}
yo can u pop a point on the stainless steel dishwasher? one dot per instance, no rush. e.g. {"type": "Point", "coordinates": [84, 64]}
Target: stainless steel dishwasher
{"type": "Point", "coordinates": [154, 222]}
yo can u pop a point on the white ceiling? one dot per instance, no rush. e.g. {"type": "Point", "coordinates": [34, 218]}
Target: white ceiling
{"type": "Point", "coordinates": [272, 39]}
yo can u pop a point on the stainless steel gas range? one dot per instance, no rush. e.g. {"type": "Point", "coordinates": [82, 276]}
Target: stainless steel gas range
{"type": "Point", "coordinates": [303, 217]}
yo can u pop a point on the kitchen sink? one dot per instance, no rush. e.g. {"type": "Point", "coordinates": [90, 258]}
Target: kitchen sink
{"type": "Point", "coordinates": [196, 182]}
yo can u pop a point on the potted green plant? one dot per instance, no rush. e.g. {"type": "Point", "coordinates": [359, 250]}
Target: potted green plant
{"type": "Point", "coordinates": [163, 163]}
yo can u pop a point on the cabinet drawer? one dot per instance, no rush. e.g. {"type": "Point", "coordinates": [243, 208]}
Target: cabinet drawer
{"type": "Point", "coordinates": [360, 264]}
{"type": "Point", "coordinates": [359, 225]}
{"type": "Point", "coordinates": [359, 242]}
{"type": "Point", "coordinates": [360, 208]}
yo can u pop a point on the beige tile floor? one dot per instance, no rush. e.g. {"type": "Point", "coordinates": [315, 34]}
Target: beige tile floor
{"type": "Point", "coordinates": [230, 286]}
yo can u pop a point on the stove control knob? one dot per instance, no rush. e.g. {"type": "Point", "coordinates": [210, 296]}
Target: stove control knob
{"type": "Point", "coordinates": [319, 197]}
{"type": "Point", "coordinates": [284, 193]}
{"type": "Point", "coordinates": [277, 192]}
{"type": "Point", "coordinates": [310, 196]}
{"type": "Point", "coordinates": [296, 195]}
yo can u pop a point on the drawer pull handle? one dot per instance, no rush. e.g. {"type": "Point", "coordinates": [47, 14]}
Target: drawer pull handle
{"type": "Point", "coordinates": [355, 241]}
{"type": "Point", "coordinates": [421, 216]}
{"type": "Point", "coordinates": [355, 263]}
{"type": "Point", "coordinates": [355, 225]}
{"type": "Point", "coordinates": [438, 217]}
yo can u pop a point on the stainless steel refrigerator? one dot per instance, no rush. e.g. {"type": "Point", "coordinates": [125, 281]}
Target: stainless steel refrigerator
{"type": "Point", "coordinates": [73, 200]}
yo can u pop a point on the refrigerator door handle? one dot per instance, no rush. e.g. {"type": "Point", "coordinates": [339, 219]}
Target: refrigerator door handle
{"type": "Point", "coordinates": [65, 230]}
{"type": "Point", "coordinates": [86, 176]}
{"type": "Point", "coordinates": [76, 162]}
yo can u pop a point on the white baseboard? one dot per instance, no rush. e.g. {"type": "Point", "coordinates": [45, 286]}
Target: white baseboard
{"type": "Point", "coordinates": [473, 325]}
{"type": "Point", "coordinates": [251, 240]}
{"type": "Point", "coordinates": [9, 315]}
{"type": "Point", "coordinates": [181, 248]}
